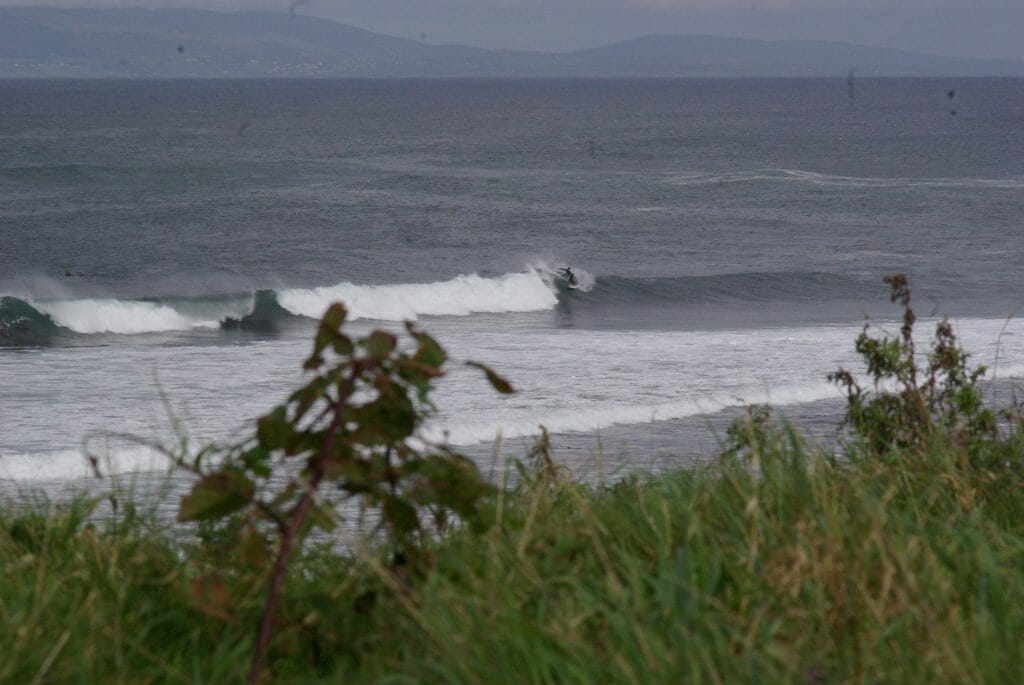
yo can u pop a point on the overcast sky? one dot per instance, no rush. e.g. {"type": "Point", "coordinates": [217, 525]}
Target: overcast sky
{"type": "Point", "coordinates": [968, 28]}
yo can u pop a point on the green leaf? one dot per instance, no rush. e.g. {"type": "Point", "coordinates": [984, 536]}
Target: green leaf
{"type": "Point", "coordinates": [415, 372]}
{"type": "Point", "coordinates": [429, 352]}
{"type": "Point", "coordinates": [306, 397]}
{"type": "Point", "coordinates": [388, 419]}
{"type": "Point", "coordinates": [274, 431]}
{"type": "Point", "coordinates": [254, 547]}
{"type": "Point", "coordinates": [257, 461]}
{"type": "Point", "coordinates": [499, 383]}
{"type": "Point", "coordinates": [342, 345]}
{"type": "Point", "coordinates": [216, 496]}
{"type": "Point", "coordinates": [400, 515]}
{"type": "Point", "coordinates": [380, 344]}
{"type": "Point", "coordinates": [329, 333]}
{"type": "Point", "coordinates": [334, 317]}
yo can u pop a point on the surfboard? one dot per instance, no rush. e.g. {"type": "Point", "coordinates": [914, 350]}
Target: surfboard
{"type": "Point", "coordinates": [566, 283]}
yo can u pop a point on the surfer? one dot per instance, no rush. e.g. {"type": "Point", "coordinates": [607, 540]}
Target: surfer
{"type": "Point", "coordinates": [569, 275]}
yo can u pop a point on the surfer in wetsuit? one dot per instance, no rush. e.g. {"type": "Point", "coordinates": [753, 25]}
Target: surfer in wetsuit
{"type": "Point", "coordinates": [569, 275]}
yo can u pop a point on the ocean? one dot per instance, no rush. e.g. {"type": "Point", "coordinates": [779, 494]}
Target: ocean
{"type": "Point", "coordinates": [166, 248]}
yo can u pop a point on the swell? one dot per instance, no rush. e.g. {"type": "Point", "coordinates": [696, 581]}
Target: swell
{"type": "Point", "coordinates": [746, 287]}
{"type": "Point", "coordinates": [41, 171]}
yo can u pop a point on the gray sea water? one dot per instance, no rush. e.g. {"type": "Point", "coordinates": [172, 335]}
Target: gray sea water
{"type": "Point", "coordinates": [166, 246]}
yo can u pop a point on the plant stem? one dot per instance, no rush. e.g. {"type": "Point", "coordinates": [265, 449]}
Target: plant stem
{"type": "Point", "coordinates": [295, 521]}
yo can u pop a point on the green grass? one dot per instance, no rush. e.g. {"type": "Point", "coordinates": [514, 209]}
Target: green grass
{"type": "Point", "coordinates": [775, 564]}
{"type": "Point", "coordinates": [901, 560]}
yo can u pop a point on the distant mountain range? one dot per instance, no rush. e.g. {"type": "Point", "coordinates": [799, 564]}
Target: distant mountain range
{"type": "Point", "coordinates": [187, 43]}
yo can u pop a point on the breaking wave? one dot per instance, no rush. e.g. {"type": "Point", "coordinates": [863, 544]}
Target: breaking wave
{"type": "Point", "coordinates": [460, 296]}
{"type": "Point", "coordinates": [27, 321]}
{"type": "Point", "coordinates": [30, 321]}
{"type": "Point", "coordinates": [117, 316]}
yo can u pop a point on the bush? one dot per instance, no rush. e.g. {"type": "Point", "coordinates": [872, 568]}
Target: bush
{"type": "Point", "coordinates": [352, 426]}
{"type": "Point", "coordinates": [907, 404]}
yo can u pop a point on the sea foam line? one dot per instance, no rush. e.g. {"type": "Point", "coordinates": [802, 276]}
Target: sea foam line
{"type": "Point", "coordinates": [71, 464]}
{"type": "Point", "coordinates": [592, 419]}
{"type": "Point", "coordinates": [814, 178]}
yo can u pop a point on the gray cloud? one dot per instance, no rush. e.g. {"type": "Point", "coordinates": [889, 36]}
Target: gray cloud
{"type": "Point", "coordinates": [976, 28]}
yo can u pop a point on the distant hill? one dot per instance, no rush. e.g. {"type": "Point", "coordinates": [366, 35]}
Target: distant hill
{"type": "Point", "coordinates": [175, 43]}
{"type": "Point", "coordinates": [696, 55]}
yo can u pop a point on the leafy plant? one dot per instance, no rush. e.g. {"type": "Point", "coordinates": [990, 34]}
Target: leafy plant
{"type": "Point", "coordinates": [540, 469]}
{"type": "Point", "coordinates": [747, 436]}
{"type": "Point", "coordinates": [906, 403]}
{"type": "Point", "coordinates": [352, 426]}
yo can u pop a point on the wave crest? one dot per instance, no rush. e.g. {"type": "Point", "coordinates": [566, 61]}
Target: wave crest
{"type": "Point", "coordinates": [118, 316]}
{"type": "Point", "coordinates": [31, 321]}
{"type": "Point", "coordinates": [460, 296]}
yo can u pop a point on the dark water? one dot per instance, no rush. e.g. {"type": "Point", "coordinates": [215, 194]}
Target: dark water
{"type": "Point", "coordinates": [731, 235]}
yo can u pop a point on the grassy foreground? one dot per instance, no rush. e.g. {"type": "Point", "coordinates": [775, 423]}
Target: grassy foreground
{"type": "Point", "coordinates": [897, 559]}
{"type": "Point", "coordinates": [776, 564]}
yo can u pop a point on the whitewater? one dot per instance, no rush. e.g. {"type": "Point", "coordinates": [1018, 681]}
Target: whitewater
{"type": "Point", "coordinates": [532, 290]}
{"type": "Point", "coordinates": [172, 392]}
{"type": "Point", "coordinates": [163, 266]}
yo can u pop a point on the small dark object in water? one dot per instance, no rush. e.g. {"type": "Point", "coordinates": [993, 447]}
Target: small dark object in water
{"type": "Point", "coordinates": [569, 275]}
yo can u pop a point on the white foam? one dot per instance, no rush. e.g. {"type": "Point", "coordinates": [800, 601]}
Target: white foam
{"type": "Point", "coordinates": [569, 380]}
{"type": "Point", "coordinates": [999, 372]}
{"type": "Point", "coordinates": [460, 296]}
{"type": "Point", "coordinates": [801, 176]}
{"type": "Point", "coordinates": [71, 464]}
{"type": "Point", "coordinates": [118, 316]}
{"type": "Point", "coordinates": [583, 383]}
{"type": "Point", "coordinates": [590, 419]}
